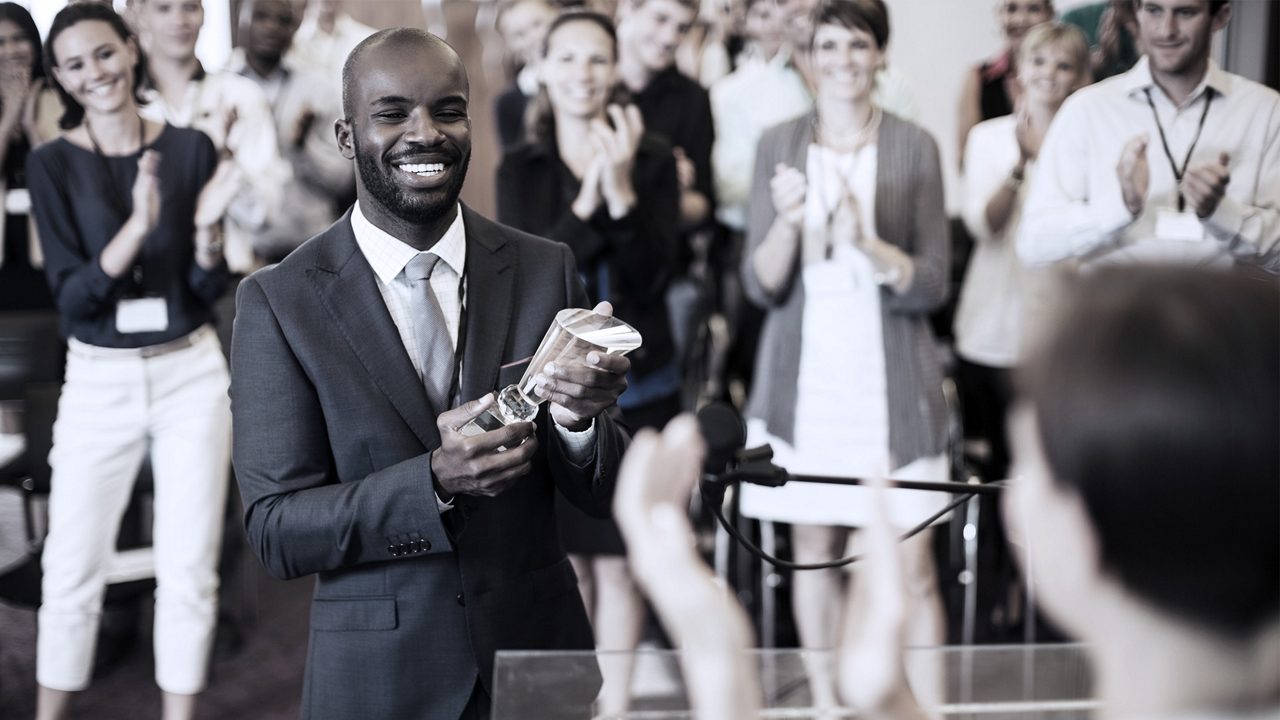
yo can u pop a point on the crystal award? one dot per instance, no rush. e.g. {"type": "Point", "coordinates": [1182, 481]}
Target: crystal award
{"type": "Point", "coordinates": [574, 333]}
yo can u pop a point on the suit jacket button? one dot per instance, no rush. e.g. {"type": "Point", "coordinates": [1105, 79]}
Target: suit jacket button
{"type": "Point", "coordinates": [461, 600]}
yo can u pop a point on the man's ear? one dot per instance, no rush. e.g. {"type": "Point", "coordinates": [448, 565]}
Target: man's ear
{"type": "Point", "coordinates": [342, 132]}
{"type": "Point", "coordinates": [1222, 17]}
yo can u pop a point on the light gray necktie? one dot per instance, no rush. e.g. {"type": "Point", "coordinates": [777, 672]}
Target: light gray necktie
{"type": "Point", "coordinates": [430, 332]}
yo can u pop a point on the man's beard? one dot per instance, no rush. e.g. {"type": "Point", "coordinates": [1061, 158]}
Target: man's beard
{"type": "Point", "coordinates": [413, 207]}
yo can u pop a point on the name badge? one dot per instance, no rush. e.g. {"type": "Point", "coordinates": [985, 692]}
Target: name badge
{"type": "Point", "coordinates": [1180, 226]}
{"type": "Point", "coordinates": [17, 202]}
{"type": "Point", "coordinates": [142, 315]}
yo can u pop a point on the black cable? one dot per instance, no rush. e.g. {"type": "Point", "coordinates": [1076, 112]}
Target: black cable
{"type": "Point", "coordinates": [718, 510]}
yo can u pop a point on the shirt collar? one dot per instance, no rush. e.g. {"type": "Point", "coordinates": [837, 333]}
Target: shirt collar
{"type": "Point", "coordinates": [388, 255]}
{"type": "Point", "coordinates": [1139, 79]}
{"type": "Point", "coordinates": [752, 54]}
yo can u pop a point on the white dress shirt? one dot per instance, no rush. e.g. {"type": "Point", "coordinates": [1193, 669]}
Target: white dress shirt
{"type": "Point", "coordinates": [388, 257]}
{"type": "Point", "coordinates": [321, 177]}
{"type": "Point", "coordinates": [759, 94]}
{"type": "Point", "coordinates": [1075, 208]}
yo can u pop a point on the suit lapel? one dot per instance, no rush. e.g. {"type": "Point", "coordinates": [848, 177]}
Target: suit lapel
{"type": "Point", "coordinates": [490, 294]}
{"type": "Point", "coordinates": [349, 292]}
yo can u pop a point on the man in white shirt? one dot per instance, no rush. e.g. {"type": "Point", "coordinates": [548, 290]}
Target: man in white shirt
{"type": "Point", "coordinates": [304, 105]}
{"type": "Point", "coordinates": [765, 89]}
{"type": "Point", "coordinates": [353, 369]}
{"type": "Point", "coordinates": [1172, 161]}
{"type": "Point", "coordinates": [327, 35]}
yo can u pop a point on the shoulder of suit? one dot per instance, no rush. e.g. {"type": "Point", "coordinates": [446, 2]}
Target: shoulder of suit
{"type": "Point", "coordinates": [530, 247]}
{"type": "Point", "coordinates": [303, 258]}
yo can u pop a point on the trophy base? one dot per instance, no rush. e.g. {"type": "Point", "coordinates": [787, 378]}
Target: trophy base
{"type": "Point", "coordinates": [511, 407]}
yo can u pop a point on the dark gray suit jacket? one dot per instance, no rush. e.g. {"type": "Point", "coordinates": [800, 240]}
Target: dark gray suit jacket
{"type": "Point", "coordinates": [333, 433]}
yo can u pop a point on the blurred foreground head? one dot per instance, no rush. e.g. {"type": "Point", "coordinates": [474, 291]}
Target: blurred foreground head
{"type": "Point", "coordinates": [1148, 456]}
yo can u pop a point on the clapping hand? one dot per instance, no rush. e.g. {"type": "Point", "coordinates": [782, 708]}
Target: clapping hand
{"type": "Point", "coordinates": [655, 483]}
{"type": "Point", "coordinates": [146, 192]}
{"type": "Point", "coordinates": [1134, 174]}
{"type": "Point", "coordinates": [15, 89]}
{"type": "Point", "coordinates": [1029, 141]}
{"type": "Point", "coordinates": [651, 503]}
{"type": "Point", "coordinates": [299, 128]}
{"type": "Point", "coordinates": [686, 171]}
{"type": "Point", "coordinates": [617, 146]}
{"type": "Point", "coordinates": [1205, 184]}
{"type": "Point", "coordinates": [218, 192]}
{"type": "Point", "coordinates": [788, 187]}
{"type": "Point", "coordinates": [888, 260]}
{"type": "Point", "coordinates": [581, 390]}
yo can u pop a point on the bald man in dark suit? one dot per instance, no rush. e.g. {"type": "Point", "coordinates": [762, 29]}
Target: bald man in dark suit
{"type": "Point", "coordinates": [432, 550]}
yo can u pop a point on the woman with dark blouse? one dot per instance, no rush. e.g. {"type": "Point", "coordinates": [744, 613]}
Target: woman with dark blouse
{"type": "Point", "coordinates": [128, 213]}
{"type": "Point", "coordinates": [590, 177]}
{"type": "Point", "coordinates": [28, 114]}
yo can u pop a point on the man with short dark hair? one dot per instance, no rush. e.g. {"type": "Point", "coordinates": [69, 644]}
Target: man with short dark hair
{"type": "Point", "coordinates": [432, 549]}
{"type": "Point", "coordinates": [672, 105]}
{"type": "Point", "coordinates": [1172, 161]}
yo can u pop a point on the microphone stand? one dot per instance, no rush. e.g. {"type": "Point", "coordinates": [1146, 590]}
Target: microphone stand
{"type": "Point", "coordinates": [755, 466]}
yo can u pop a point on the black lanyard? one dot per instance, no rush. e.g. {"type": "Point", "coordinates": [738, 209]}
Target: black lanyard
{"type": "Point", "coordinates": [119, 199]}
{"type": "Point", "coordinates": [455, 383]}
{"type": "Point", "coordinates": [1177, 174]}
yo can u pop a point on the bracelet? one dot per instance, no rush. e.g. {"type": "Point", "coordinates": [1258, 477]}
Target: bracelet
{"type": "Point", "coordinates": [889, 277]}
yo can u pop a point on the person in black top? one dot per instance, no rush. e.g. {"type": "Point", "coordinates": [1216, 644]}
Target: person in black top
{"type": "Point", "coordinates": [522, 24]}
{"type": "Point", "coordinates": [672, 105]}
{"type": "Point", "coordinates": [128, 213]}
{"type": "Point", "coordinates": [27, 111]}
{"type": "Point", "coordinates": [593, 179]}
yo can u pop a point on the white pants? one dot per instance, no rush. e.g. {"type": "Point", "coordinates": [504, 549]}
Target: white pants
{"type": "Point", "coordinates": [115, 406]}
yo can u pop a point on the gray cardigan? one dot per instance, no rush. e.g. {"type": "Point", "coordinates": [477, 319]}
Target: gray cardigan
{"type": "Point", "coordinates": [909, 213]}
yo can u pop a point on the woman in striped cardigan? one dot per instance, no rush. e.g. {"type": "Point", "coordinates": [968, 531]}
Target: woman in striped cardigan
{"type": "Point", "coordinates": [848, 253]}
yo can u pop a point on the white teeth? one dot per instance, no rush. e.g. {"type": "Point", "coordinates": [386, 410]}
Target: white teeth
{"type": "Point", "coordinates": [424, 169]}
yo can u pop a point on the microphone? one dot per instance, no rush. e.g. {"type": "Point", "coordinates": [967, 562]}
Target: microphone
{"type": "Point", "coordinates": [728, 461]}
{"type": "Point", "coordinates": [725, 434]}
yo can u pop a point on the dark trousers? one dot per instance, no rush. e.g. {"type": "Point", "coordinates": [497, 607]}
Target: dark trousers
{"type": "Point", "coordinates": [985, 395]}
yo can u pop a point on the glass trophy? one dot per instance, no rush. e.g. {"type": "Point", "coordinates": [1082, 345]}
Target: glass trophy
{"type": "Point", "coordinates": [574, 333]}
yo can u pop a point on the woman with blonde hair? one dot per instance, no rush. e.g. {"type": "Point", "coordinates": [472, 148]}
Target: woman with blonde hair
{"type": "Point", "coordinates": [999, 158]}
